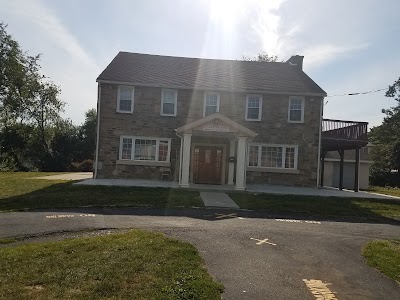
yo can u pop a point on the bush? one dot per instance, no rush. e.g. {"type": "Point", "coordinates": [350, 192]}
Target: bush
{"type": "Point", "coordinates": [385, 179]}
{"type": "Point", "coordinates": [84, 166]}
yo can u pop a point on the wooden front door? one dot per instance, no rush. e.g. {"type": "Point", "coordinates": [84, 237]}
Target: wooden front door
{"type": "Point", "coordinates": [207, 164]}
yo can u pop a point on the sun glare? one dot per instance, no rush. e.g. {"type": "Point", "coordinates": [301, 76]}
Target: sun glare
{"type": "Point", "coordinates": [226, 12]}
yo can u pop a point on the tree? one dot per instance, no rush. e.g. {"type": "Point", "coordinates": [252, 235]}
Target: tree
{"type": "Point", "coordinates": [88, 134]}
{"type": "Point", "coordinates": [27, 98]}
{"type": "Point", "coordinates": [262, 57]}
{"type": "Point", "coordinates": [386, 139]}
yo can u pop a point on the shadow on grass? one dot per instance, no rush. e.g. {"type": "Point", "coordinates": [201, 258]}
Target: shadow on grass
{"type": "Point", "coordinates": [144, 201]}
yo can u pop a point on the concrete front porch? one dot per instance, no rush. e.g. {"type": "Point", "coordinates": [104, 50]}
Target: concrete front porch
{"type": "Point", "coordinates": [251, 188]}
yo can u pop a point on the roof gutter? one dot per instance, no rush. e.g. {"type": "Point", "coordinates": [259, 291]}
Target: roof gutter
{"type": "Point", "coordinates": [213, 89]}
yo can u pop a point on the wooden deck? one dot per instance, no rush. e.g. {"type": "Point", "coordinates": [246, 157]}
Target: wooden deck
{"type": "Point", "coordinates": [340, 135]}
{"type": "Point", "coordinates": [343, 135]}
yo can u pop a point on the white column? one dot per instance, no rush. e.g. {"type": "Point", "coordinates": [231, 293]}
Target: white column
{"type": "Point", "coordinates": [231, 164]}
{"type": "Point", "coordinates": [187, 140]}
{"type": "Point", "coordinates": [241, 164]}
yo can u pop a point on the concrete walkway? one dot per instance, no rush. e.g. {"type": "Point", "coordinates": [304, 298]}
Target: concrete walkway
{"type": "Point", "coordinates": [211, 199]}
{"type": "Point", "coordinates": [67, 176]}
{"type": "Point", "coordinates": [252, 188]}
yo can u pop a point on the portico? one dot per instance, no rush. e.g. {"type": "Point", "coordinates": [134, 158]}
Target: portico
{"type": "Point", "coordinates": [213, 151]}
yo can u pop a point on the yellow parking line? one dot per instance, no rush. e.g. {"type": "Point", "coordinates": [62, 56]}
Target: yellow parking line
{"type": "Point", "coordinates": [320, 289]}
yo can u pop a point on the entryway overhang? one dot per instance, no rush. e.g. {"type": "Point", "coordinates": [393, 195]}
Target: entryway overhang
{"type": "Point", "coordinates": [216, 125]}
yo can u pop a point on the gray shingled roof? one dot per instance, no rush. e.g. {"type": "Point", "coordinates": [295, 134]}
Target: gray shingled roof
{"type": "Point", "coordinates": [208, 74]}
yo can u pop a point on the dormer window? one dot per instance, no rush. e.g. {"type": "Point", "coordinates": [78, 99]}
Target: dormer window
{"type": "Point", "coordinates": [125, 99]}
{"type": "Point", "coordinates": [211, 103]}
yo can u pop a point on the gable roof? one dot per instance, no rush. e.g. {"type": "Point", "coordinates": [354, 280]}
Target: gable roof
{"type": "Point", "coordinates": [208, 74]}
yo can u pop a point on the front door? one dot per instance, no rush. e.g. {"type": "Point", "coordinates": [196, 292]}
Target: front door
{"type": "Point", "coordinates": [207, 164]}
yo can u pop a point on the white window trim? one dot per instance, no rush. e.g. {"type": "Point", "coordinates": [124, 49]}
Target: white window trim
{"type": "Point", "coordinates": [260, 107]}
{"type": "Point", "coordinates": [134, 138]}
{"type": "Point", "coordinates": [132, 99]}
{"type": "Point", "coordinates": [296, 154]}
{"type": "Point", "coordinates": [302, 108]}
{"type": "Point", "coordinates": [205, 101]}
{"type": "Point", "coordinates": [175, 102]}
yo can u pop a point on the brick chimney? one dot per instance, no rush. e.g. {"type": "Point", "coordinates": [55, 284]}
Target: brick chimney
{"type": "Point", "coordinates": [297, 62]}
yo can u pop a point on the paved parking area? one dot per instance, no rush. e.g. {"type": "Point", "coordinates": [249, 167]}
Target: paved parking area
{"type": "Point", "coordinates": [255, 257]}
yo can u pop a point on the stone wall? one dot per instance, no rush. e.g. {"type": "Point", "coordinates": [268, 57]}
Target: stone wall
{"type": "Point", "coordinates": [146, 121]}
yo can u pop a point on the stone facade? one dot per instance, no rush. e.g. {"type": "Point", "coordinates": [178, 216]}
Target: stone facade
{"type": "Point", "coordinates": [146, 121]}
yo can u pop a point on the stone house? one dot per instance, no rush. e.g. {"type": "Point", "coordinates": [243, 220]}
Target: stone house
{"type": "Point", "coordinates": [207, 121]}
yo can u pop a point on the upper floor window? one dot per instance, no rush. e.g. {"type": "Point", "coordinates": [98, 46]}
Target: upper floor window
{"type": "Point", "coordinates": [296, 110]}
{"type": "Point", "coordinates": [145, 149]}
{"type": "Point", "coordinates": [272, 156]}
{"type": "Point", "coordinates": [211, 103]}
{"type": "Point", "coordinates": [125, 99]}
{"type": "Point", "coordinates": [253, 107]}
{"type": "Point", "coordinates": [169, 99]}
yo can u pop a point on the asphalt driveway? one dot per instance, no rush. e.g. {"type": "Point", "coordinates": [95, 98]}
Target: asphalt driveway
{"type": "Point", "coordinates": [254, 256]}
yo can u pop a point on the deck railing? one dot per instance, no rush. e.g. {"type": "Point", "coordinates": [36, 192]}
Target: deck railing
{"type": "Point", "coordinates": [344, 130]}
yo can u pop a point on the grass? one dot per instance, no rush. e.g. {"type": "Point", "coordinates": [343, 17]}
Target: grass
{"type": "Point", "coordinates": [319, 207]}
{"type": "Point", "coordinates": [385, 190]}
{"type": "Point", "coordinates": [384, 255]}
{"type": "Point", "coordinates": [133, 265]}
{"type": "Point", "coordinates": [18, 191]}
{"type": "Point", "coordinates": [4, 241]}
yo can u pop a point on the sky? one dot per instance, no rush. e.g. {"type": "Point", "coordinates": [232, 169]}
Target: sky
{"type": "Point", "coordinates": [348, 46]}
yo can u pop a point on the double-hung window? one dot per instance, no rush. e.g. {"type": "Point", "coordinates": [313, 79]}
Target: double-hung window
{"type": "Point", "coordinates": [169, 100]}
{"type": "Point", "coordinates": [211, 103]}
{"type": "Point", "coordinates": [272, 156]}
{"type": "Point", "coordinates": [296, 110]}
{"type": "Point", "coordinates": [253, 107]}
{"type": "Point", "coordinates": [125, 99]}
{"type": "Point", "coordinates": [145, 149]}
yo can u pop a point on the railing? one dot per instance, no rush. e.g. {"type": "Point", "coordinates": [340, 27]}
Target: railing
{"type": "Point", "coordinates": [344, 130]}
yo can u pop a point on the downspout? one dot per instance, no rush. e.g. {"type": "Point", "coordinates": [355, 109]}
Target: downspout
{"type": "Point", "coordinates": [98, 130]}
{"type": "Point", "coordinates": [180, 160]}
{"type": "Point", "coordinates": [319, 142]}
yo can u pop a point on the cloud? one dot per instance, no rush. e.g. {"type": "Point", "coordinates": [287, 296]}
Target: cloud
{"type": "Point", "coordinates": [45, 18]}
{"type": "Point", "coordinates": [319, 55]}
{"type": "Point", "coordinates": [64, 60]}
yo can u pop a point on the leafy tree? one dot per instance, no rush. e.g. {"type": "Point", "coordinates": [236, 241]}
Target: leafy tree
{"type": "Point", "coordinates": [386, 139]}
{"type": "Point", "coordinates": [88, 134]}
{"type": "Point", "coordinates": [262, 57]}
{"type": "Point", "coordinates": [27, 100]}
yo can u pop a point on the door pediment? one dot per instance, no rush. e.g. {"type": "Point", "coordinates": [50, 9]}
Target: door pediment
{"type": "Point", "coordinates": [216, 123]}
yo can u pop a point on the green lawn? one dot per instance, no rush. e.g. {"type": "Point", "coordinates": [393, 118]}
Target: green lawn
{"type": "Point", "coordinates": [385, 256]}
{"type": "Point", "coordinates": [318, 207]}
{"type": "Point", "coordinates": [19, 191]}
{"type": "Point", "coordinates": [384, 190]}
{"type": "Point", "coordinates": [133, 265]}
